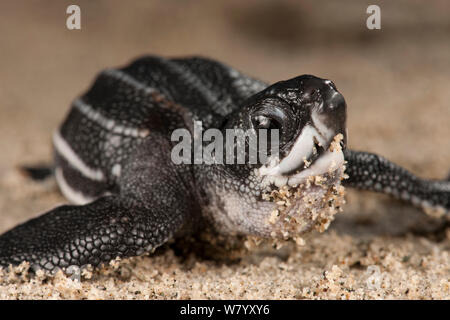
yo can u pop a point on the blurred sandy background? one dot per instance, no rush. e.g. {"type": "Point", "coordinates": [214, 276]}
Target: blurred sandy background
{"type": "Point", "coordinates": [396, 82]}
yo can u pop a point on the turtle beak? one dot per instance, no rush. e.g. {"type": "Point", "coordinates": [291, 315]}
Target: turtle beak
{"type": "Point", "coordinates": [330, 114]}
{"type": "Point", "coordinates": [328, 120]}
{"type": "Point", "coordinates": [313, 150]}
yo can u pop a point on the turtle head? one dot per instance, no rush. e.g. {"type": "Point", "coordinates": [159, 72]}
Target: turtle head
{"type": "Point", "coordinates": [307, 112]}
{"type": "Point", "coordinates": [309, 115]}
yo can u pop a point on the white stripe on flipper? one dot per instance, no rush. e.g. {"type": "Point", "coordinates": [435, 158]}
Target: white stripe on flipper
{"type": "Point", "coordinates": [122, 76]}
{"type": "Point", "coordinates": [108, 124]}
{"type": "Point", "coordinates": [443, 186]}
{"type": "Point", "coordinates": [73, 196]}
{"type": "Point", "coordinates": [246, 86]}
{"type": "Point", "coordinates": [66, 151]}
{"type": "Point", "coordinates": [193, 80]}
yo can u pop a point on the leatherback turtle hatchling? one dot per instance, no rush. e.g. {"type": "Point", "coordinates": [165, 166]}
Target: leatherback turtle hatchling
{"type": "Point", "coordinates": [113, 160]}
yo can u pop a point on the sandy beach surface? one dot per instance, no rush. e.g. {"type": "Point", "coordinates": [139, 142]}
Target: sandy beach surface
{"type": "Point", "coordinates": [397, 86]}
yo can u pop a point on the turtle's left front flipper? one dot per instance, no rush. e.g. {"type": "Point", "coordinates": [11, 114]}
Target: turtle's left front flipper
{"type": "Point", "coordinates": [372, 172]}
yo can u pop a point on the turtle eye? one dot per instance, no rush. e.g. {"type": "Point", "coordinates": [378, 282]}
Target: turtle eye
{"type": "Point", "coordinates": [274, 114]}
{"type": "Point", "coordinates": [265, 122]}
{"type": "Point", "coordinates": [270, 117]}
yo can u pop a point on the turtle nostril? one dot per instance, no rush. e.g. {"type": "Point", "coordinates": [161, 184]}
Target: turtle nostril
{"type": "Point", "coordinates": [331, 84]}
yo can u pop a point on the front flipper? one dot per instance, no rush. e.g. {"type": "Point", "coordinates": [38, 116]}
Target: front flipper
{"type": "Point", "coordinates": [372, 172]}
{"type": "Point", "coordinates": [91, 234]}
{"type": "Point", "coordinates": [153, 205]}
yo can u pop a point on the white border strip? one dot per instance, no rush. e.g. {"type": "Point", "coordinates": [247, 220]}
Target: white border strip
{"type": "Point", "coordinates": [106, 123]}
{"type": "Point", "coordinates": [66, 151]}
{"type": "Point", "coordinates": [72, 195]}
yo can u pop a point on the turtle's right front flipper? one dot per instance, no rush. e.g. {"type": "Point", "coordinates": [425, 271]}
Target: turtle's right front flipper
{"type": "Point", "coordinates": [372, 172]}
{"type": "Point", "coordinates": [153, 206]}
{"type": "Point", "coordinates": [91, 234]}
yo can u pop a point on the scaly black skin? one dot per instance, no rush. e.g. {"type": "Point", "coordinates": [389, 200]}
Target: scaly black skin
{"type": "Point", "coordinates": [140, 199]}
{"type": "Point", "coordinates": [368, 171]}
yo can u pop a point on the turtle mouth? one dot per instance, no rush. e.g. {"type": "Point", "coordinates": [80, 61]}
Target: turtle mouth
{"type": "Point", "coordinates": [318, 149]}
{"type": "Point", "coordinates": [312, 154]}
